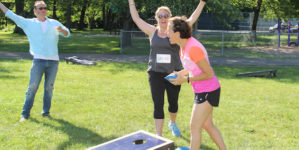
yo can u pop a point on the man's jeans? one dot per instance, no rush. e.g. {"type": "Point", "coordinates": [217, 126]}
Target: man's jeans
{"type": "Point", "coordinates": [40, 67]}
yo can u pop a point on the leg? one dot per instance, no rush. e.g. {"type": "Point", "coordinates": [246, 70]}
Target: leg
{"type": "Point", "coordinates": [199, 115]}
{"type": "Point", "coordinates": [157, 90]}
{"type": "Point", "coordinates": [50, 76]}
{"type": "Point", "coordinates": [159, 126]}
{"type": "Point", "coordinates": [36, 74]}
{"type": "Point", "coordinates": [214, 132]}
{"type": "Point", "coordinates": [172, 96]}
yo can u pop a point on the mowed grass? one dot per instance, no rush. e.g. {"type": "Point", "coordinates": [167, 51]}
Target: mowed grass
{"type": "Point", "coordinates": [96, 104]}
{"type": "Point", "coordinates": [99, 42]}
{"type": "Point", "coordinates": [76, 43]}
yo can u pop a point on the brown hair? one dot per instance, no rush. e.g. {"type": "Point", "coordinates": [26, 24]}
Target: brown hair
{"type": "Point", "coordinates": [181, 25]}
{"type": "Point", "coordinates": [38, 2]}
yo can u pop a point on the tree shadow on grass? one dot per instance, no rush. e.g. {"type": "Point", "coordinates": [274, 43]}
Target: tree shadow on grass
{"type": "Point", "coordinates": [77, 135]}
{"type": "Point", "coordinates": [202, 146]}
{"type": "Point", "coordinates": [8, 77]}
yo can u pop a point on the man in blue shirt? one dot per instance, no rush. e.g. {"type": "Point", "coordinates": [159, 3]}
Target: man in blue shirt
{"type": "Point", "coordinates": [43, 35]}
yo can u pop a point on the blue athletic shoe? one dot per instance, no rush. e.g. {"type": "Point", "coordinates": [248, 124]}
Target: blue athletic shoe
{"type": "Point", "coordinates": [174, 128]}
{"type": "Point", "coordinates": [182, 148]}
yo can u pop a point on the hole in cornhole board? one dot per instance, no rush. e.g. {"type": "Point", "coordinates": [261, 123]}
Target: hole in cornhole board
{"type": "Point", "coordinates": [139, 141]}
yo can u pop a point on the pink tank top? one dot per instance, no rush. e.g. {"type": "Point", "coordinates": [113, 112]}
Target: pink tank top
{"type": "Point", "coordinates": [198, 86]}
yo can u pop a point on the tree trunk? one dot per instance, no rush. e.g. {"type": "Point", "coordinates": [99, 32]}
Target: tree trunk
{"type": "Point", "coordinates": [69, 14]}
{"type": "Point", "coordinates": [104, 16]}
{"type": "Point", "coordinates": [82, 16]}
{"type": "Point", "coordinates": [256, 11]}
{"type": "Point", "coordinates": [91, 22]}
{"type": "Point", "coordinates": [111, 26]}
{"type": "Point", "coordinates": [19, 10]}
{"type": "Point", "coordinates": [107, 20]}
{"type": "Point", "coordinates": [54, 9]}
{"type": "Point", "coordinates": [126, 36]}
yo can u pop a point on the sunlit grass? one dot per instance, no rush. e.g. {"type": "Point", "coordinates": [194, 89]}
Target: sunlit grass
{"type": "Point", "coordinates": [95, 104]}
{"type": "Point", "coordinates": [95, 42]}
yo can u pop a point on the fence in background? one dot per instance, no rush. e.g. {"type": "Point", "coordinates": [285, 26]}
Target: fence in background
{"type": "Point", "coordinates": [222, 43]}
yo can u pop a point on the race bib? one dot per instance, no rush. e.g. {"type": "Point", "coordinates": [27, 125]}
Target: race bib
{"type": "Point", "coordinates": [164, 58]}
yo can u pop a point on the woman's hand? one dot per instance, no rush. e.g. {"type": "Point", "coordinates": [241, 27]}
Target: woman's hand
{"type": "Point", "coordinates": [179, 80]}
{"type": "Point", "coordinates": [204, 1]}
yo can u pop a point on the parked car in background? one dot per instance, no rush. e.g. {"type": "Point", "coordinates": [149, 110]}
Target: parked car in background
{"type": "Point", "coordinates": [294, 29]}
{"type": "Point", "coordinates": [284, 28]}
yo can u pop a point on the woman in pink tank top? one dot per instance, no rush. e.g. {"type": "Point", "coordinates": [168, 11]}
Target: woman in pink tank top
{"type": "Point", "coordinates": [200, 74]}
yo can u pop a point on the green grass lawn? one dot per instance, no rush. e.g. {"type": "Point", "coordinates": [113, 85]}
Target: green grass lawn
{"type": "Point", "coordinates": [90, 42]}
{"type": "Point", "coordinates": [77, 43]}
{"type": "Point", "coordinates": [95, 104]}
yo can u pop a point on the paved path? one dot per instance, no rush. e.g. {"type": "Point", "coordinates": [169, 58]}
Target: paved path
{"type": "Point", "coordinates": [144, 59]}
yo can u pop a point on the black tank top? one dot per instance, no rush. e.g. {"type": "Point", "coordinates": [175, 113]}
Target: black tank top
{"type": "Point", "coordinates": [164, 57]}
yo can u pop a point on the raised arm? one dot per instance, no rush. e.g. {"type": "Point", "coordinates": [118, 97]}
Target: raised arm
{"type": "Point", "coordinates": [192, 19]}
{"type": "Point", "coordinates": [19, 20]}
{"type": "Point", "coordinates": [142, 25]}
{"type": "Point", "coordinates": [3, 8]}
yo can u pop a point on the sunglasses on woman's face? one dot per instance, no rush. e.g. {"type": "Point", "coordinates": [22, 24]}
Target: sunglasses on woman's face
{"type": "Point", "coordinates": [41, 8]}
{"type": "Point", "coordinates": [163, 16]}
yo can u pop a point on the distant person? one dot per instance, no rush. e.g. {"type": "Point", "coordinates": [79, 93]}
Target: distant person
{"type": "Point", "coordinates": [164, 59]}
{"type": "Point", "coordinates": [199, 73]}
{"type": "Point", "coordinates": [43, 34]}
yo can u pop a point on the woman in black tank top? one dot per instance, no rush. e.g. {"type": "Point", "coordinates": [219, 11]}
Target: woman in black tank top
{"type": "Point", "coordinates": [163, 60]}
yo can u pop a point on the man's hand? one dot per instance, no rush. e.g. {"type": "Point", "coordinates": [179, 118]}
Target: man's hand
{"type": "Point", "coordinates": [59, 28]}
{"type": "Point", "coordinates": [3, 8]}
{"type": "Point", "coordinates": [64, 32]}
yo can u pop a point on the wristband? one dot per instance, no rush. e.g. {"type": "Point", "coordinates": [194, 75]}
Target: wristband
{"type": "Point", "coordinates": [132, 4]}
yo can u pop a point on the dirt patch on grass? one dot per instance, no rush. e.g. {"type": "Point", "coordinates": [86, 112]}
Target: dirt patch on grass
{"type": "Point", "coordinates": [283, 51]}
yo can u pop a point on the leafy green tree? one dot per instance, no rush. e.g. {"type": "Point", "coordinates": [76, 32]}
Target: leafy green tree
{"type": "Point", "coordinates": [269, 9]}
{"type": "Point", "coordinates": [281, 9]}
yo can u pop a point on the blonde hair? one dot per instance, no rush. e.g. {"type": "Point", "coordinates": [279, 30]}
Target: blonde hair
{"type": "Point", "coordinates": [39, 2]}
{"type": "Point", "coordinates": [158, 10]}
{"type": "Point", "coordinates": [162, 8]}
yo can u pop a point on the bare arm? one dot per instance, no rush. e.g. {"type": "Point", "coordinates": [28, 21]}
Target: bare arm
{"type": "Point", "coordinates": [3, 8]}
{"type": "Point", "coordinates": [207, 73]}
{"type": "Point", "coordinates": [192, 19]}
{"type": "Point", "coordinates": [183, 72]}
{"type": "Point", "coordinates": [142, 25]}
